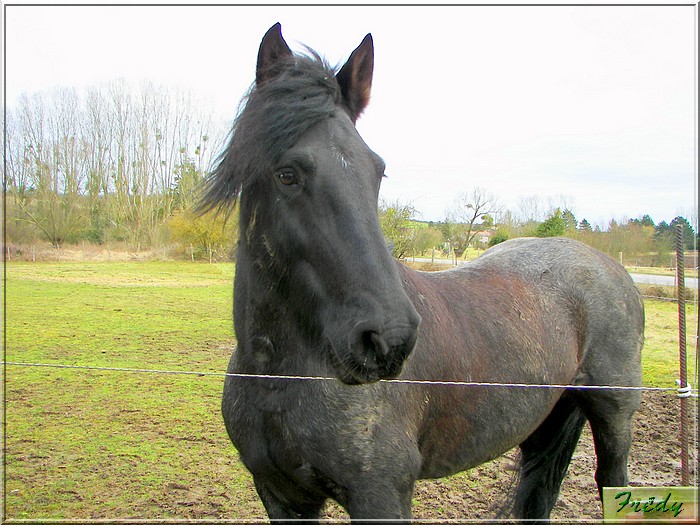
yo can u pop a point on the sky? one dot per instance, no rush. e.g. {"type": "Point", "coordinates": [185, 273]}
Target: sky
{"type": "Point", "coordinates": [593, 107]}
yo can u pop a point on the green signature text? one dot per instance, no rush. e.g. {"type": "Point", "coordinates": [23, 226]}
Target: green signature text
{"type": "Point", "coordinates": [649, 505]}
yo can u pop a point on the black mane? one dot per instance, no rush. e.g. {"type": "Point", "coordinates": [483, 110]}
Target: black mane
{"type": "Point", "coordinates": [302, 91]}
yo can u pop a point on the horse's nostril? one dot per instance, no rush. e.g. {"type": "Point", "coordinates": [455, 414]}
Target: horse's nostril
{"type": "Point", "coordinates": [381, 353]}
{"type": "Point", "coordinates": [376, 342]}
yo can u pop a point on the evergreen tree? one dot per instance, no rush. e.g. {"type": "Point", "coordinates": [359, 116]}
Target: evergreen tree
{"type": "Point", "coordinates": [584, 226]}
{"type": "Point", "coordinates": [554, 226]}
{"type": "Point", "coordinates": [688, 233]}
{"type": "Point", "coordinates": [569, 220]}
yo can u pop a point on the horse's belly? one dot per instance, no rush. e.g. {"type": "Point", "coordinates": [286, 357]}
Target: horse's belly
{"type": "Point", "coordinates": [480, 430]}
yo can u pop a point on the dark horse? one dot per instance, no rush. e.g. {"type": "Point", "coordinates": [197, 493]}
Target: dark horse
{"type": "Point", "coordinates": [318, 294]}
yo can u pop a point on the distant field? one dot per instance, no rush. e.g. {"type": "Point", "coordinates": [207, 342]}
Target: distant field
{"type": "Point", "coordinates": [90, 444]}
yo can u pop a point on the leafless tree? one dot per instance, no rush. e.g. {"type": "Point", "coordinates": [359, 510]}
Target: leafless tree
{"type": "Point", "coordinates": [105, 165]}
{"type": "Point", "coordinates": [468, 209]}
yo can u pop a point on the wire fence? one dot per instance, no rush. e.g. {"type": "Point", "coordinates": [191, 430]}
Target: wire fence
{"type": "Point", "coordinates": [681, 391]}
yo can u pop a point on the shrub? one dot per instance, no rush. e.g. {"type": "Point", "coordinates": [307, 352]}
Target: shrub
{"type": "Point", "coordinates": [209, 236]}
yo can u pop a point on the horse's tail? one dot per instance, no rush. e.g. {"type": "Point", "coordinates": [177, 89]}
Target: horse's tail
{"type": "Point", "coordinates": [545, 457]}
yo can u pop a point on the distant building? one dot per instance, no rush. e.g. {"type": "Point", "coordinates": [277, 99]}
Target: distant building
{"type": "Point", "coordinates": [482, 238]}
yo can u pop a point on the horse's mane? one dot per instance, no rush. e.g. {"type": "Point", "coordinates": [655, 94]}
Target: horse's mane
{"type": "Point", "coordinates": [300, 91]}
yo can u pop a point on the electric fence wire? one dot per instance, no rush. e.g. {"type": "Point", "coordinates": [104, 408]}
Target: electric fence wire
{"type": "Point", "coordinates": [685, 391]}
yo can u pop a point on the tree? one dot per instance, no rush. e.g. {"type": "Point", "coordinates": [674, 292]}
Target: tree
{"type": "Point", "coordinates": [498, 238]}
{"type": "Point", "coordinates": [466, 211]}
{"type": "Point", "coordinates": [584, 226]}
{"type": "Point", "coordinates": [664, 237]}
{"type": "Point", "coordinates": [425, 238]}
{"type": "Point", "coordinates": [530, 209]}
{"type": "Point", "coordinates": [569, 219]}
{"type": "Point", "coordinates": [187, 179]}
{"type": "Point", "coordinates": [645, 220]}
{"type": "Point", "coordinates": [45, 162]}
{"type": "Point", "coordinates": [554, 226]}
{"type": "Point", "coordinates": [636, 238]}
{"type": "Point", "coordinates": [688, 233]}
{"type": "Point", "coordinates": [395, 221]}
{"type": "Point", "coordinates": [102, 166]}
{"type": "Point", "coordinates": [97, 134]}
{"type": "Point", "coordinates": [210, 236]}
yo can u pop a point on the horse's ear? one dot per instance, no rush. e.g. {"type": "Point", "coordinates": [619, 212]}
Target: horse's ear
{"type": "Point", "coordinates": [355, 78]}
{"type": "Point", "coordinates": [272, 48]}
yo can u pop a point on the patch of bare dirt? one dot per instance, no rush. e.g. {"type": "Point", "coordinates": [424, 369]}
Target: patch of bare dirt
{"type": "Point", "coordinates": [115, 252]}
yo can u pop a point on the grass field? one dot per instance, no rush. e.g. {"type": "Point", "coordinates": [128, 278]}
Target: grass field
{"type": "Point", "coordinates": [90, 444]}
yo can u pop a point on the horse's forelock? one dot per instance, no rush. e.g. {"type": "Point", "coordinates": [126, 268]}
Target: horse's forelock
{"type": "Point", "coordinates": [274, 115]}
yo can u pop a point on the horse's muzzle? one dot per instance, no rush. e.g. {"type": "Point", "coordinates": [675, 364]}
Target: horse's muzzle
{"type": "Point", "coordinates": [375, 353]}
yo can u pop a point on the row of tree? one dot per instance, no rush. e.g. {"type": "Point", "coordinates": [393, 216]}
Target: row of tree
{"type": "Point", "coordinates": [470, 224]}
{"type": "Point", "coordinates": [120, 163]}
{"type": "Point", "coordinates": [113, 164]}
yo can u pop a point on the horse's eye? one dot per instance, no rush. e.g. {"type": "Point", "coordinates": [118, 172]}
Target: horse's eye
{"type": "Point", "coordinates": [288, 178]}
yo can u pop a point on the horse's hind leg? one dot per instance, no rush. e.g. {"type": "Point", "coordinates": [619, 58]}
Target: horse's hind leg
{"type": "Point", "coordinates": [610, 413]}
{"type": "Point", "coordinates": [613, 358]}
{"type": "Point", "coordinates": [613, 334]}
{"type": "Point", "coordinates": [545, 457]}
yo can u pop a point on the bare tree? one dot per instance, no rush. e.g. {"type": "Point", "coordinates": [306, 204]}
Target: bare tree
{"type": "Point", "coordinates": [106, 165]}
{"type": "Point", "coordinates": [46, 183]}
{"type": "Point", "coordinates": [17, 177]}
{"type": "Point", "coordinates": [530, 209]}
{"type": "Point", "coordinates": [560, 202]}
{"type": "Point", "coordinates": [468, 209]}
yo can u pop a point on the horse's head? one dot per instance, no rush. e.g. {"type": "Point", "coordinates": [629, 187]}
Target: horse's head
{"type": "Point", "coordinates": [309, 225]}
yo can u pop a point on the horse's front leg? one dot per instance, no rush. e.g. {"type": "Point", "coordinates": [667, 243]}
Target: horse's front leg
{"type": "Point", "coordinates": [377, 500]}
{"type": "Point", "coordinates": [289, 508]}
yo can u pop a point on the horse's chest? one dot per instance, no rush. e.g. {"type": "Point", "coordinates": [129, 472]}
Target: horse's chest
{"type": "Point", "coordinates": [258, 427]}
{"type": "Point", "coordinates": [315, 436]}
{"type": "Point", "coordinates": [274, 421]}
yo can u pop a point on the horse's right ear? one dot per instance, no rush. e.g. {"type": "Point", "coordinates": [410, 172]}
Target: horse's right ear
{"type": "Point", "coordinates": [272, 48]}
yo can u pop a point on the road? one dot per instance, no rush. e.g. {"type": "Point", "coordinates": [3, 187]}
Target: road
{"type": "Point", "coordinates": [659, 280]}
{"type": "Point", "coordinates": [663, 280]}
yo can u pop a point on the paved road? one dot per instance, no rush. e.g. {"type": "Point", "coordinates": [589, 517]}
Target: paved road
{"type": "Point", "coordinates": [661, 280]}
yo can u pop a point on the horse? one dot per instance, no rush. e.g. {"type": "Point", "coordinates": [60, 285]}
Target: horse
{"type": "Point", "coordinates": [339, 387]}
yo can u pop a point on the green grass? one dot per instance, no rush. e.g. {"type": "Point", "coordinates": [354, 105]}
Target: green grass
{"type": "Point", "coordinates": [96, 444]}
{"type": "Point", "coordinates": [660, 356]}
{"type": "Point", "coordinates": [103, 444]}
{"type": "Point", "coordinates": [134, 314]}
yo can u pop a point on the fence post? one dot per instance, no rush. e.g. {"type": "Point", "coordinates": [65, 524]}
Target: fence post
{"type": "Point", "coordinates": [680, 287]}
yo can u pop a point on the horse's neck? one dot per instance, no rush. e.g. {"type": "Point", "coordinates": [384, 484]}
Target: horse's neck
{"type": "Point", "coordinates": [268, 337]}
{"type": "Point", "coordinates": [412, 279]}
{"type": "Point", "coordinates": [257, 305]}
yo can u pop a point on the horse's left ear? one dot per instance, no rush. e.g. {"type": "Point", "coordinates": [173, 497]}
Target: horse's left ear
{"type": "Point", "coordinates": [355, 78]}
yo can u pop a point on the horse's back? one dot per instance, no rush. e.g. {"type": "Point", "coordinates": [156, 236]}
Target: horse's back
{"type": "Point", "coordinates": [567, 295]}
{"type": "Point", "coordinates": [564, 262]}
{"type": "Point", "coordinates": [607, 310]}
{"type": "Point", "coordinates": [599, 292]}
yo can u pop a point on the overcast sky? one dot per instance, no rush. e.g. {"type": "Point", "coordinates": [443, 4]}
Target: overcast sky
{"type": "Point", "coordinates": [595, 104]}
